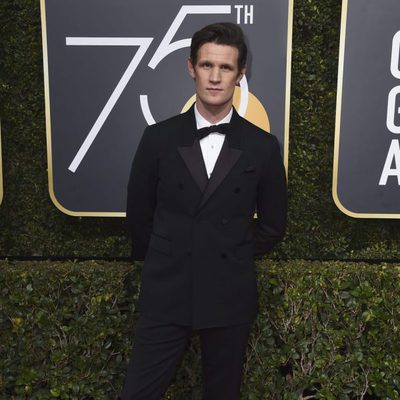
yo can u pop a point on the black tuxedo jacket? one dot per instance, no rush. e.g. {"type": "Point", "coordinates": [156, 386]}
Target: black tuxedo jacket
{"type": "Point", "coordinates": [197, 236]}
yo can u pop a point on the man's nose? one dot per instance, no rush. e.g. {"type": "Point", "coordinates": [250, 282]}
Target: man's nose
{"type": "Point", "coordinates": [215, 75]}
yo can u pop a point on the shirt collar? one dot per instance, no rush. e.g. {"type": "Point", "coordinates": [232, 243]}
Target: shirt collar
{"type": "Point", "coordinates": [201, 122]}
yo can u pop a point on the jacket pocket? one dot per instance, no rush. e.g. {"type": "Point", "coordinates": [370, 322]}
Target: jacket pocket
{"type": "Point", "coordinates": [245, 250]}
{"type": "Point", "coordinates": [159, 243]}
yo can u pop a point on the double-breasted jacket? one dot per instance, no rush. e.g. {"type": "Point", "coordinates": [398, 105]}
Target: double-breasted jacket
{"type": "Point", "coordinates": [198, 236]}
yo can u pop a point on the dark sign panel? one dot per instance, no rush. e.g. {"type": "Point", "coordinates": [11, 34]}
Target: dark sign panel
{"type": "Point", "coordinates": [112, 67]}
{"type": "Point", "coordinates": [366, 181]}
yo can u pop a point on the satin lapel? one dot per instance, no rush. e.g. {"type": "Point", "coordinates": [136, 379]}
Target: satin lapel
{"type": "Point", "coordinates": [190, 150]}
{"type": "Point", "coordinates": [194, 161]}
{"type": "Point", "coordinates": [228, 157]}
{"type": "Point", "coordinates": [226, 160]}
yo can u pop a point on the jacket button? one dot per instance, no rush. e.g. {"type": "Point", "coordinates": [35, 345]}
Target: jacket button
{"type": "Point", "coordinates": [181, 186]}
{"type": "Point", "coordinates": [237, 190]}
{"type": "Point", "coordinates": [224, 255]}
{"type": "Point", "coordinates": [188, 252]}
{"type": "Point", "coordinates": [224, 221]}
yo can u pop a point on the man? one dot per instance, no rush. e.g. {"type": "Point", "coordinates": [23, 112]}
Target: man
{"type": "Point", "coordinates": [192, 196]}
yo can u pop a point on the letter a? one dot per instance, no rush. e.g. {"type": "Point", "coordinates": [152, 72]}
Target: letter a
{"type": "Point", "coordinates": [393, 155]}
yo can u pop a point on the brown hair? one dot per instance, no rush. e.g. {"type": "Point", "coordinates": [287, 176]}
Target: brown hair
{"type": "Point", "coordinates": [226, 33]}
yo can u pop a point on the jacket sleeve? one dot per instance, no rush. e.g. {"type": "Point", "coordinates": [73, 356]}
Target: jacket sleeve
{"type": "Point", "coordinates": [142, 192]}
{"type": "Point", "coordinates": [271, 202]}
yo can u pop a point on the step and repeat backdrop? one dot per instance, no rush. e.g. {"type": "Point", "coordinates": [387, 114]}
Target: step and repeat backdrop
{"type": "Point", "coordinates": [366, 180]}
{"type": "Point", "coordinates": [114, 67]}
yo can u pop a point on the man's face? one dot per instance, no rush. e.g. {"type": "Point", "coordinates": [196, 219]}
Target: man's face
{"type": "Point", "coordinates": [216, 74]}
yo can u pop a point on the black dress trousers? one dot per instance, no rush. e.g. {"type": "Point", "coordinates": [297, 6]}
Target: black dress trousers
{"type": "Point", "coordinates": [159, 346]}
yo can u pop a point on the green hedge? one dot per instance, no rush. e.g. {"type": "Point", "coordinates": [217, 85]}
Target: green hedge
{"type": "Point", "coordinates": [31, 225]}
{"type": "Point", "coordinates": [325, 331]}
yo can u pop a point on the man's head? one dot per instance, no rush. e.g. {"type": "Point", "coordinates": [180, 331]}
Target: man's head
{"type": "Point", "coordinates": [217, 63]}
{"type": "Point", "coordinates": [225, 33]}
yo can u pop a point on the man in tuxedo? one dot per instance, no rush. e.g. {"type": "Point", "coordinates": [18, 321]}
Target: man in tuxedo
{"type": "Point", "coordinates": [197, 180]}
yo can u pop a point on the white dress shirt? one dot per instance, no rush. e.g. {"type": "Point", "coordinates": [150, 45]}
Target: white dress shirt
{"type": "Point", "coordinates": [211, 145]}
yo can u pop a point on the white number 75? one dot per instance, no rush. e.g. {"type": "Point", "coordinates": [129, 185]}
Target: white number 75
{"type": "Point", "coordinates": [165, 48]}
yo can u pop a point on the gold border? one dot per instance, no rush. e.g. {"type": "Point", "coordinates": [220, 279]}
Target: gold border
{"type": "Point", "coordinates": [288, 85]}
{"type": "Point", "coordinates": [335, 196]}
{"type": "Point", "coordinates": [48, 130]}
{"type": "Point", "coordinates": [1, 171]}
{"type": "Point", "coordinates": [48, 117]}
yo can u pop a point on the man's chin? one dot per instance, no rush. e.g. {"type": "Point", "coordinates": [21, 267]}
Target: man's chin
{"type": "Point", "coordinates": [215, 103]}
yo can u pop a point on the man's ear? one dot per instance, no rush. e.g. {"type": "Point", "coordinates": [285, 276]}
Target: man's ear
{"type": "Point", "coordinates": [191, 68]}
{"type": "Point", "coordinates": [241, 74]}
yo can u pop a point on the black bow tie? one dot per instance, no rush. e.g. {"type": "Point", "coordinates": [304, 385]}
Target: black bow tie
{"type": "Point", "coordinates": [221, 128]}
